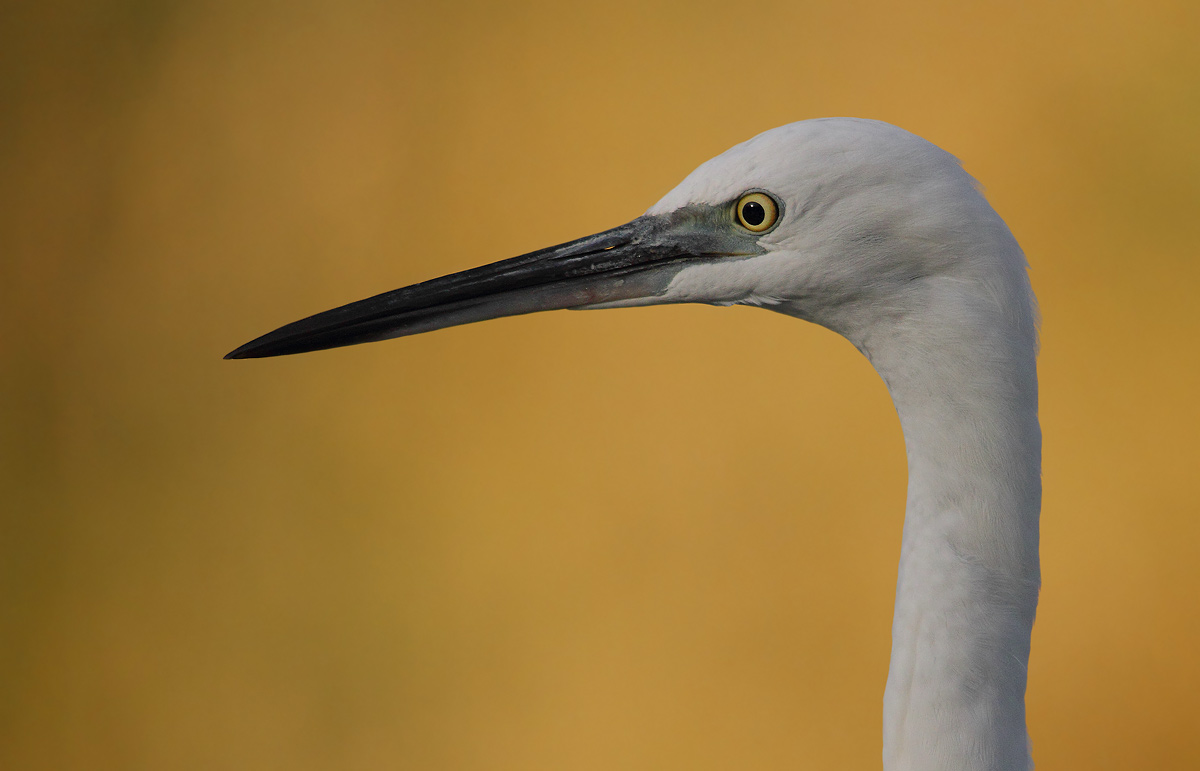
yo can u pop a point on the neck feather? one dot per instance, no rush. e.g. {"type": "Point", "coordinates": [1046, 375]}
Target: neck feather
{"type": "Point", "coordinates": [962, 374]}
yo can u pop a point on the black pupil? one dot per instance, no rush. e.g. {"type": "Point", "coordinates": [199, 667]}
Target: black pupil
{"type": "Point", "coordinates": [754, 213]}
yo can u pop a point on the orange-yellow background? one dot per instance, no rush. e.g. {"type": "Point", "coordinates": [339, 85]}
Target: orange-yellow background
{"type": "Point", "coordinates": [648, 539]}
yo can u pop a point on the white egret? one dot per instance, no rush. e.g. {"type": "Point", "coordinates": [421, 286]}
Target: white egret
{"type": "Point", "coordinates": [882, 237]}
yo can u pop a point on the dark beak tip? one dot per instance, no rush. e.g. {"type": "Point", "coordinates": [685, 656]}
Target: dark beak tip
{"type": "Point", "coordinates": [255, 349]}
{"type": "Point", "coordinates": [245, 351]}
{"type": "Point", "coordinates": [252, 351]}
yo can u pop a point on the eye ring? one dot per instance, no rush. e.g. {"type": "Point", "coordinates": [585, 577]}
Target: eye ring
{"type": "Point", "coordinates": [757, 212]}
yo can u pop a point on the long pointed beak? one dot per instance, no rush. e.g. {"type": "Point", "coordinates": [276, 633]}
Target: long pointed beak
{"type": "Point", "coordinates": [631, 262]}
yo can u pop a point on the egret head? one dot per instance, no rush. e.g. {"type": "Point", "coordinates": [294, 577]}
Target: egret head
{"type": "Point", "coordinates": [834, 220]}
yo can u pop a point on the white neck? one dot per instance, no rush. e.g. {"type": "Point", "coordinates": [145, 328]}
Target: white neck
{"type": "Point", "coordinates": [962, 374]}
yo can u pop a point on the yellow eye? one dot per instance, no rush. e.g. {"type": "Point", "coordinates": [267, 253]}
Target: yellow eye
{"type": "Point", "coordinates": [757, 212]}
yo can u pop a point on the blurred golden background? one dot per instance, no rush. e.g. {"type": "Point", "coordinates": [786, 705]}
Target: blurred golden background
{"type": "Point", "coordinates": [646, 539]}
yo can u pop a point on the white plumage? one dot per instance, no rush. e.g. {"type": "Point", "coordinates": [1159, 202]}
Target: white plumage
{"type": "Point", "coordinates": [893, 246]}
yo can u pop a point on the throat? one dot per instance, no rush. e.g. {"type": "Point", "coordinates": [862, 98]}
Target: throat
{"type": "Point", "coordinates": [965, 388]}
{"type": "Point", "coordinates": [969, 572]}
